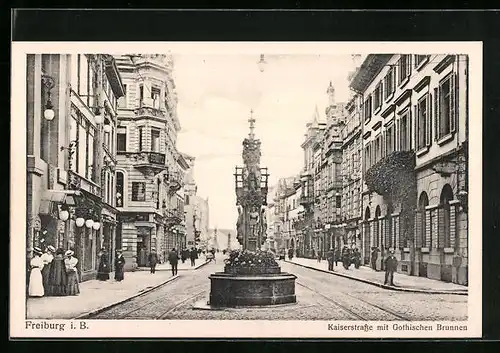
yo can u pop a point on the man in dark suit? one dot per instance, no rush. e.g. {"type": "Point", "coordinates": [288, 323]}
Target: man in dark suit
{"type": "Point", "coordinates": [153, 260]}
{"type": "Point", "coordinates": [173, 258]}
{"type": "Point", "coordinates": [391, 265]}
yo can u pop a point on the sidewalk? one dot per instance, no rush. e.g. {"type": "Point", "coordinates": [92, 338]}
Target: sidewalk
{"type": "Point", "coordinates": [96, 295]}
{"type": "Point", "coordinates": [402, 282]}
{"type": "Point", "coordinates": [180, 267]}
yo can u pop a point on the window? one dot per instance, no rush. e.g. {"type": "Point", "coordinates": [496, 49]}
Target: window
{"type": "Point", "coordinates": [446, 222]}
{"type": "Point", "coordinates": [83, 134]}
{"type": "Point", "coordinates": [119, 189]}
{"type": "Point", "coordinates": [404, 132]}
{"type": "Point", "coordinates": [445, 107]}
{"type": "Point", "coordinates": [419, 59]}
{"type": "Point", "coordinates": [155, 96]}
{"type": "Point", "coordinates": [404, 67]}
{"type": "Point", "coordinates": [90, 155]}
{"type": "Point", "coordinates": [141, 95]}
{"type": "Point", "coordinates": [338, 201]}
{"type": "Point", "coordinates": [422, 114]}
{"type": "Point", "coordinates": [186, 200]}
{"type": "Point", "coordinates": [389, 139]}
{"type": "Point", "coordinates": [155, 140]}
{"type": "Point", "coordinates": [138, 191]}
{"type": "Point", "coordinates": [378, 96]}
{"type": "Point", "coordinates": [140, 132]}
{"type": "Point", "coordinates": [122, 102]}
{"type": "Point", "coordinates": [367, 109]}
{"type": "Point", "coordinates": [338, 172]}
{"type": "Point", "coordinates": [390, 82]}
{"type": "Point", "coordinates": [121, 141]}
{"type": "Point", "coordinates": [378, 149]}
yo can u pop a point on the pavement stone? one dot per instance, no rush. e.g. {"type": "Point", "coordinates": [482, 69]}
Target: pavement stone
{"type": "Point", "coordinates": [96, 295]}
{"type": "Point", "coordinates": [402, 281]}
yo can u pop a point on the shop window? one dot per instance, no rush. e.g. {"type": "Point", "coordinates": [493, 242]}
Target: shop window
{"type": "Point", "coordinates": [119, 189]}
{"type": "Point", "coordinates": [138, 191]}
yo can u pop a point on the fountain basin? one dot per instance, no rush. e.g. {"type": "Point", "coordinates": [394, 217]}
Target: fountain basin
{"type": "Point", "coordinates": [231, 290]}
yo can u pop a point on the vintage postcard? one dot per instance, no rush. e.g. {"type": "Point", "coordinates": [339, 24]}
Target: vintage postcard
{"type": "Point", "coordinates": [237, 190]}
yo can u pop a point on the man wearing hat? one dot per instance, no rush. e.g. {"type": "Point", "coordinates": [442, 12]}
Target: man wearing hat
{"type": "Point", "coordinates": [153, 260]}
{"type": "Point", "coordinates": [47, 258]}
{"type": "Point", "coordinates": [391, 265]}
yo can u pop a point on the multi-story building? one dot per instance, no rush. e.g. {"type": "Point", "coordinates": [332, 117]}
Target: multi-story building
{"type": "Point", "coordinates": [352, 183]}
{"type": "Point", "coordinates": [309, 179]}
{"type": "Point", "coordinates": [71, 134]}
{"type": "Point", "coordinates": [149, 173]}
{"type": "Point", "coordinates": [190, 204]}
{"type": "Point", "coordinates": [272, 218]}
{"type": "Point", "coordinates": [415, 116]}
{"type": "Point", "coordinates": [330, 226]}
{"type": "Point", "coordinates": [202, 222]}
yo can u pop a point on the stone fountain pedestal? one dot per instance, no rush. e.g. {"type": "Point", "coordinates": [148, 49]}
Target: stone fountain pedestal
{"type": "Point", "coordinates": [251, 287]}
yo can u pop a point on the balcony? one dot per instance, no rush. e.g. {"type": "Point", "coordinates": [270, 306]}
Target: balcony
{"type": "Point", "coordinates": [147, 161]}
{"type": "Point", "coordinates": [149, 111]}
{"type": "Point", "coordinates": [306, 200]}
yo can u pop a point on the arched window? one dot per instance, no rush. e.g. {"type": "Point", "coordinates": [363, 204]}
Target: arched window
{"type": "Point", "coordinates": [445, 221]}
{"type": "Point", "coordinates": [422, 239]}
{"type": "Point", "coordinates": [377, 234]}
{"type": "Point", "coordinates": [119, 189]}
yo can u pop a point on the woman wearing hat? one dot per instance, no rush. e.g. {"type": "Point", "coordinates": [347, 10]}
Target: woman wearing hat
{"type": "Point", "coordinates": [119, 264]}
{"type": "Point", "coordinates": [57, 275]}
{"type": "Point", "coordinates": [47, 258]}
{"type": "Point", "coordinates": [70, 263]}
{"type": "Point", "coordinates": [103, 269]}
{"type": "Point", "coordinates": [36, 283]}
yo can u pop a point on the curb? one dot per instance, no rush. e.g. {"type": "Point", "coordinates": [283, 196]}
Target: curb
{"type": "Point", "coordinates": [399, 289]}
{"type": "Point", "coordinates": [108, 306]}
{"type": "Point", "coordinates": [140, 269]}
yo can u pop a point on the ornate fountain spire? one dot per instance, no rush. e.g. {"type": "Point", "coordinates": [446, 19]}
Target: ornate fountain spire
{"type": "Point", "coordinates": [251, 120]}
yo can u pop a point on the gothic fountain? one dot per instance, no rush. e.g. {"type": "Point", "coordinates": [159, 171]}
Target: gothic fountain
{"type": "Point", "coordinates": [251, 276]}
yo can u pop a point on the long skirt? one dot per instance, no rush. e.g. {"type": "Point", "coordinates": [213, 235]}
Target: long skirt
{"type": "Point", "coordinates": [119, 273]}
{"type": "Point", "coordinates": [45, 277]}
{"type": "Point", "coordinates": [36, 283]}
{"type": "Point", "coordinates": [103, 272]}
{"type": "Point", "coordinates": [57, 278]}
{"type": "Point", "coordinates": [72, 287]}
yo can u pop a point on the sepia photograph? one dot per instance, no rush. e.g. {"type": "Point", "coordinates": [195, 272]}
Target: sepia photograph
{"type": "Point", "coordinates": [217, 183]}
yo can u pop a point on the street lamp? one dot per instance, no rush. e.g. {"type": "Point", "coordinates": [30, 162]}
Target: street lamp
{"type": "Point", "coordinates": [48, 113]}
{"type": "Point", "coordinates": [80, 222]}
{"type": "Point", "coordinates": [89, 223]}
{"type": "Point", "coordinates": [262, 63]}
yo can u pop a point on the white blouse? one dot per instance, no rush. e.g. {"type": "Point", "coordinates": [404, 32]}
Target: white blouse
{"type": "Point", "coordinates": [71, 263]}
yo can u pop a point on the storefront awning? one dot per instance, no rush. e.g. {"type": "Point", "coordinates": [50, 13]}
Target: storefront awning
{"type": "Point", "coordinates": [51, 198]}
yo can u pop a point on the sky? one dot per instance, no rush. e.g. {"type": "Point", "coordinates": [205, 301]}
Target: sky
{"type": "Point", "coordinates": [216, 94]}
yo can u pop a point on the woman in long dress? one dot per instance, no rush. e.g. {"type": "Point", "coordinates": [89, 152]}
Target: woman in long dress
{"type": "Point", "coordinates": [103, 269]}
{"type": "Point", "coordinates": [57, 275]}
{"type": "Point", "coordinates": [36, 282]}
{"type": "Point", "coordinates": [72, 287]}
{"type": "Point", "coordinates": [119, 264]}
{"type": "Point", "coordinates": [47, 258]}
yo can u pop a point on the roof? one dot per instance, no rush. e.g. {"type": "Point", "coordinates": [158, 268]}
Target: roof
{"type": "Point", "coordinates": [368, 70]}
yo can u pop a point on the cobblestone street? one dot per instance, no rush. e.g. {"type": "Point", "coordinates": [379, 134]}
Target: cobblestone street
{"type": "Point", "coordinates": [320, 296]}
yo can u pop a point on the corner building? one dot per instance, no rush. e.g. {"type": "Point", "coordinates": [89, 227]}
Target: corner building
{"type": "Point", "coordinates": [415, 119]}
{"type": "Point", "coordinates": [149, 173]}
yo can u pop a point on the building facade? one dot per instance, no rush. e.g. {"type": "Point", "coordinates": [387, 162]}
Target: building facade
{"type": "Point", "coordinates": [71, 154]}
{"type": "Point", "coordinates": [352, 182]}
{"type": "Point", "coordinates": [414, 132]}
{"type": "Point", "coordinates": [148, 174]}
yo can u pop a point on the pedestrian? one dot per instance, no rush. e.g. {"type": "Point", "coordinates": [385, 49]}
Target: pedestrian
{"type": "Point", "coordinates": [72, 287]}
{"type": "Point", "coordinates": [391, 265]}
{"type": "Point", "coordinates": [290, 253]}
{"type": "Point", "coordinates": [184, 255]}
{"type": "Point", "coordinates": [357, 258]}
{"type": "Point", "coordinates": [374, 256]}
{"type": "Point", "coordinates": [319, 255]}
{"type": "Point", "coordinates": [57, 275]}
{"type": "Point", "coordinates": [103, 269]}
{"type": "Point", "coordinates": [456, 262]}
{"type": "Point", "coordinates": [119, 264]}
{"type": "Point", "coordinates": [330, 257]}
{"type": "Point", "coordinates": [193, 255]}
{"type": "Point", "coordinates": [153, 260]}
{"type": "Point", "coordinates": [337, 256]}
{"type": "Point", "coordinates": [173, 258]}
{"type": "Point", "coordinates": [35, 288]}
{"type": "Point", "coordinates": [47, 258]}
